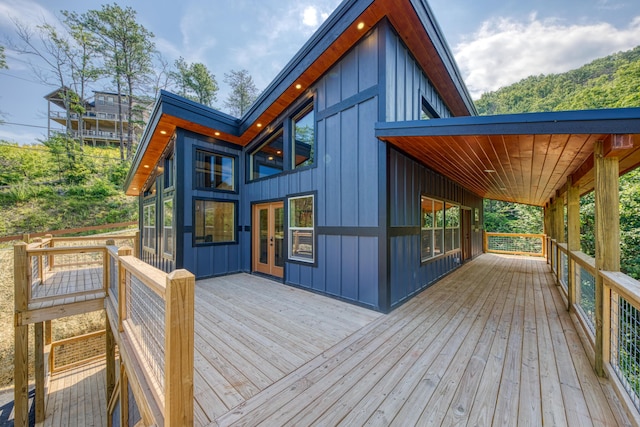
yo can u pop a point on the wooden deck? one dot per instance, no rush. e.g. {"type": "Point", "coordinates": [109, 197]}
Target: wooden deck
{"type": "Point", "coordinates": [77, 397]}
{"type": "Point", "coordinates": [490, 344]}
{"type": "Point", "coordinates": [67, 286]}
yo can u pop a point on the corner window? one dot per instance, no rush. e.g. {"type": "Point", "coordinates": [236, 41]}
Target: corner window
{"type": "Point", "coordinates": [268, 159]}
{"type": "Point", "coordinates": [303, 141]}
{"type": "Point", "coordinates": [214, 171]}
{"type": "Point", "coordinates": [452, 229]}
{"type": "Point", "coordinates": [149, 227]}
{"type": "Point", "coordinates": [301, 228]}
{"type": "Point", "coordinates": [167, 228]}
{"type": "Point", "coordinates": [215, 222]}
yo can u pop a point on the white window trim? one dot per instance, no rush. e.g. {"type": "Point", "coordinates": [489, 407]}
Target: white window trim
{"type": "Point", "coordinates": [292, 229]}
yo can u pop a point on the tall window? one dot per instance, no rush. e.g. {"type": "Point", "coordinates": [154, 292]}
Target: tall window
{"type": "Point", "coordinates": [431, 233]}
{"type": "Point", "coordinates": [214, 171]}
{"type": "Point", "coordinates": [302, 152]}
{"type": "Point", "coordinates": [169, 173]}
{"type": "Point", "coordinates": [268, 159]}
{"type": "Point", "coordinates": [301, 228]}
{"type": "Point", "coordinates": [215, 222]}
{"type": "Point", "coordinates": [149, 227]}
{"type": "Point", "coordinates": [167, 228]}
{"type": "Point", "coordinates": [427, 111]}
{"type": "Point", "coordinates": [452, 233]}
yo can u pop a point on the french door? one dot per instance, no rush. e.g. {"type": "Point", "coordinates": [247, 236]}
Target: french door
{"type": "Point", "coordinates": [268, 238]}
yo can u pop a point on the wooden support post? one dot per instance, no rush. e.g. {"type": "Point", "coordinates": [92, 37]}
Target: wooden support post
{"type": "Point", "coordinates": [573, 237]}
{"type": "Point", "coordinates": [39, 370]}
{"type": "Point", "coordinates": [607, 230]}
{"type": "Point", "coordinates": [179, 343]}
{"type": "Point", "coordinates": [136, 244]}
{"type": "Point", "coordinates": [122, 289]}
{"type": "Point", "coordinates": [25, 237]}
{"type": "Point", "coordinates": [47, 332]}
{"type": "Point", "coordinates": [110, 344]}
{"type": "Point", "coordinates": [21, 368]}
{"type": "Point", "coordinates": [485, 242]}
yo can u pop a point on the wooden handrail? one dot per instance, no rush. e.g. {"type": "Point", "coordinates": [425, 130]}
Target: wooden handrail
{"type": "Point", "coordinates": [623, 285]}
{"type": "Point", "coordinates": [537, 236]}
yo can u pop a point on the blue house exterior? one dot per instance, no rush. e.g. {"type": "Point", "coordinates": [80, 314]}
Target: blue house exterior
{"type": "Point", "coordinates": [300, 189]}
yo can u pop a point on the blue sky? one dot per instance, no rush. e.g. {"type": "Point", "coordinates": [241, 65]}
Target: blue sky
{"type": "Point", "coordinates": [495, 42]}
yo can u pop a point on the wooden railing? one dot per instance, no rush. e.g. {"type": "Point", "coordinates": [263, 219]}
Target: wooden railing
{"type": "Point", "coordinates": [151, 315]}
{"type": "Point", "coordinates": [76, 351]}
{"type": "Point", "coordinates": [515, 244]}
{"type": "Point", "coordinates": [150, 318]}
{"type": "Point", "coordinates": [576, 274]}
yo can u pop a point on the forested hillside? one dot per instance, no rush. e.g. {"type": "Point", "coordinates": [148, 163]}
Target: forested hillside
{"type": "Point", "coordinates": [57, 186]}
{"type": "Point", "coordinates": [610, 82]}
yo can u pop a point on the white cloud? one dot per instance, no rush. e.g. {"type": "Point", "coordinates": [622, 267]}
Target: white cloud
{"type": "Point", "coordinates": [25, 11]}
{"type": "Point", "coordinates": [504, 51]}
{"type": "Point", "coordinates": [310, 16]}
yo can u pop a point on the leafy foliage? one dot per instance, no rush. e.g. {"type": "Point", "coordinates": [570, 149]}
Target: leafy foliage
{"type": "Point", "coordinates": [56, 186]}
{"type": "Point", "coordinates": [3, 59]}
{"type": "Point", "coordinates": [195, 82]}
{"type": "Point", "coordinates": [505, 217]}
{"type": "Point", "coordinates": [243, 92]}
{"type": "Point", "coordinates": [610, 82]}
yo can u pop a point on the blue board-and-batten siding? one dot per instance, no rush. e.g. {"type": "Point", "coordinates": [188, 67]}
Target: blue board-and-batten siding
{"type": "Point", "coordinates": [408, 181]}
{"type": "Point", "coordinates": [407, 84]}
{"type": "Point", "coordinates": [344, 180]}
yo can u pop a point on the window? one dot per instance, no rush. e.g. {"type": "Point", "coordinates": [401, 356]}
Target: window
{"type": "Point", "coordinates": [101, 100]}
{"type": "Point", "coordinates": [452, 229]}
{"type": "Point", "coordinates": [427, 111]}
{"type": "Point", "coordinates": [268, 159]}
{"type": "Point", "coordinates": [109, 99]}
{"type": "Point", "coordinates": [301, 228]}
{"type": "Point", "coordinates": [215, 222]}
{"type": "Point", "coordinates": [149, 227]}
{"type": "Point", "coordinates": [167, 228]}
{"type": "Point", "coordinates": [438, 232]}
{"type": "Point", "coordinates": [169, 173]}
{"type": "Point", "coordinates": [151, 191]}
{"type": "Point", "coordinates": [432, 233]}
{"type": "Point", "coordinates": [215, 171]}
{"type": "Point", "coordinates": [302, 151]}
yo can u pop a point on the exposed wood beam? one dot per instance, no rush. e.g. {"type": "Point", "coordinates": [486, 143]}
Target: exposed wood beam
{"type": "Point", "coordinates": [582, 171]}
{"type": "Point", "coordinates": [615, 144]}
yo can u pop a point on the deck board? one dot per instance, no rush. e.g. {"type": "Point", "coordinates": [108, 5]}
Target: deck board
{"type": "Point", "coordinates": [490, 344]}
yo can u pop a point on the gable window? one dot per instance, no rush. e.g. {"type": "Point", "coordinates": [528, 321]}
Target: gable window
{"type": "Point", "coordinates": [167, 228]}
{"type": "Point", "coordinates": [427, 111]}
{"type": "Point", "coordinates": [301, 228]}
{"type": "Point", "coordinates": [267, 160]}
{"type": "Point", "coordinates": [149, 227]}
{"type": "Point", "coordinates": [452, 229]}
{"type": "Point", "coordinates": [215, 222]}
{"type": "Point", "coordinates": [214, 171]}
{"type": "Point", "coordinates": [303, 141]}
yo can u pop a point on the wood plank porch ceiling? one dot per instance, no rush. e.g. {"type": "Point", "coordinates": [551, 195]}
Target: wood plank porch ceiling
{"type": "Point", "coordinates": [524, 167]}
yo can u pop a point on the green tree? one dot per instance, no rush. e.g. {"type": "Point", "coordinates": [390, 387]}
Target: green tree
{"type": "Point", "coordinates": [3, 59]}
{"type": "Point", "coordinates": [195, 82]}
{"type": "Point", "coordinates": [506, 217]}
{"type": "Point", "coordinates": [126, 48]}
{"type": "Point", "coordinates": [243, 92]}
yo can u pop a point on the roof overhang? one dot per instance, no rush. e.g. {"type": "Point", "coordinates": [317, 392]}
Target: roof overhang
{"type": "Point", "coordinates": [523, 158]}
{"type": "Point", "coordinates": [352, 20]}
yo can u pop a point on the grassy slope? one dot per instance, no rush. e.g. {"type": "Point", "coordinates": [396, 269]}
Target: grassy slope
{"type": "Point", "coordinates": [44, 190]}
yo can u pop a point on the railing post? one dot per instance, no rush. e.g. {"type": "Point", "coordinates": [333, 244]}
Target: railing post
{"type": "Point", "coordinates": [51, 245]}
{"type": "Point", "coordinates": [21, 359]}
{"type": "Point", "coordinates": [39, 370]}
{"type": "Point", "coordinates": [179, 343]}
{"type": "Point", "coordinates": [607, 237]}
{"type": "Point", "coordinates": [573, 237]}
{"type": "Point", "coordinates": [485, 242]}
{"type": "Point", "coordinates": [122, 289]}
{"type": "Point", "coordinates": [136, 244]}
{"type": "Point", "coordinates": [40, 262]}
{"type": "Point", "coordinates": [110, 344]}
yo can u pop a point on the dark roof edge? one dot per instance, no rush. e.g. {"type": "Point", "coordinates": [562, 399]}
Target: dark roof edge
{"type": "Point", "coordinates": [426, 15]}
{"type": "Point", "coordinates": [619, 120]}
{"type": "Point", "coordinates": [285, 76]}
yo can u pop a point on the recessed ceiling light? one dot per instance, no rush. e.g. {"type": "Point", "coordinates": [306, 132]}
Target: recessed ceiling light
{"type": "Point", "coordinates": [270, 158]}
{"type": "Point", "coordinates": [259, 125]}
{"type": "Point", "coordinates": [278, 152]}
{"type": "Point", "coordinates": [360, 25]}
{"type": "Point", "coordinates": [489, 171]}
{"type": "Point", "coordinates": [135, 188]}
{"type": "Point", "coordinates": [146, 166]}
{"type": "Point", "coordinates": [163, 132]}
{"type": "Point", "coordinates": [298, 86]}
{"type": "Point", "coordinates": [503, 188]}
{"type": "Point", "coordinates": [217, 133]}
